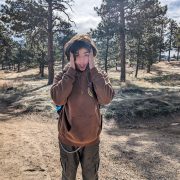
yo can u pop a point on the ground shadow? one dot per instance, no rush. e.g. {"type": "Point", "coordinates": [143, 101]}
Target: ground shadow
{"type": "Point", "coordinates": [158, 148]}
{"type": "Point", "coordinates": [34, 77]}
{"type": "Point", "coordinates": [133, 103]}
{"type": "Point", "coordinates": [176, 64]}
{"type": "Point", "coordinates": [144, 117]}
{"type": "Point", "coordinates": [115, 82]}
{"type": "Point", "coordinates": [170, 79]}
{"type": "Point", "coordinates": [38, 88]}
{"type": "Point", "coordinates": [11, 105]}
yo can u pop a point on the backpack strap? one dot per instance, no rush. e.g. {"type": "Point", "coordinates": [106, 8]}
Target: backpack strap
{"type": "Point", "coordinates": [90, 84]}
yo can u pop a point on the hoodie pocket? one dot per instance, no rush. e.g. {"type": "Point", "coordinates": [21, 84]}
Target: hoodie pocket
{"type": "Point", "coordinates": [84, 132]}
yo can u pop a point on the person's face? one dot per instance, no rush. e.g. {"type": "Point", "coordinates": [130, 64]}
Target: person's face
{"type": "Point", "coordinates": [82, 59]}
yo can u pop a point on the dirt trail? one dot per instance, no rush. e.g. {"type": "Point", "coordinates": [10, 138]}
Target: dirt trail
{"type": "Point", "coordinates": [29, 151]}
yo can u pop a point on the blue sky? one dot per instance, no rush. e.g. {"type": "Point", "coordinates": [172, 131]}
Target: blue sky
{"type": "Point", "coordinates": [85, 17]}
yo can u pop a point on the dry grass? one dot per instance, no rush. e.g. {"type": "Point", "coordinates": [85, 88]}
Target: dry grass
{"type": "Point", "coordinates": [164, 78]}
{"type": "Point", "coordinates": [153, 94]}
{"type": "Point", "coordinates": [26, 90]}
{"type": "Point", "coordinates": [163, 74]}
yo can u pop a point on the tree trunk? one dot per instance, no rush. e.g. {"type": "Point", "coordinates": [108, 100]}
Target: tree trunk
{"type": "Point", "coordinates": [178, 53]}
{"type": "Point", "coordinates": [42, 69]}
{"type": "Point", "coordinates": [63, 60]}
{"type": "Point", "coordinates": [169, 54]}
{"type": "Point", "coordinates": [42, 73]}
{"type": "Point", "coordinates": [14, 67]}
{"type": "Point", "coordinates": [137, 65]}
{"type": "Point", "coordinates": [18, 67]}
{"type": "Point", "coordinates": [149, 67]}
{"type": "Point", "coordinates": [50, 45]}
{"type": "Point", "coordinates": [122, 43]}
{"type": "Point", "coordinates": [142, 65]}
{"type": "Point", "coordinates": [106, 55]}
{"type": "Point", "coordinates": [2, 66]}
{"type": "Point", "coordinates": [116, 65]}
{"type": "Point", "coordinates": [9, 65]}
{"type": "Point", "coordinates": [41, 65]}
{"type": "Point", "coordinates": [170, 39]}
{"type": "Point", "coordinates": [160, 49]}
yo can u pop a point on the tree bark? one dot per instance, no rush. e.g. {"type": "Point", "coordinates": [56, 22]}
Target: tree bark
{"type": "Point", "coordinates": [160, 49]}
{"type": "Point", "coordinates": [137, 65]}
{"type": "Point", "coordinates": [170, 39]}
{"type": "Point", "coordinates": [178, 53]}
{"type": "Point", "coordinates": [18, 67]}
{"type": "Point", "coordinates": [2, 66]}
{"type": "Point", "coordinates": [63, 60]}
{"type": "Point", "coordinates": [42, 69]}
{"type": "Point", "coordinates": [116, 65]}
{"type": "Point", "coordinates": [142, 65]}
{"type": "Point", "coordinates": [149, 66]}
{"type": "Point", "coordinates": [106, 55]}
{"type": "Point", "coordinates": [50, 45]}
{"type": "Point", "coordinates": [122, 43]}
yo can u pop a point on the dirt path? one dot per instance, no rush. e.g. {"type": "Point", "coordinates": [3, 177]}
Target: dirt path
{"type": "Point", "coordinates": [29, 148]}
{"type": "Point", "coordinates": [29, 151]}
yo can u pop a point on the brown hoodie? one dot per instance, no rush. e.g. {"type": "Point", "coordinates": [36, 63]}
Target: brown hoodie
{"type": "Point", "coordinates": [80, 122]}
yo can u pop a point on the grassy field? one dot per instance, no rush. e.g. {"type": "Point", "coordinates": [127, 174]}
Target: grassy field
{"type": "Point", "coordinates": [141, 129]}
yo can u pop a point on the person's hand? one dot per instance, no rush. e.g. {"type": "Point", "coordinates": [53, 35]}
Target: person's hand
{"type": "Point", "coordinates": [91, 59]}
{"type": "Point", "coordinates": [72, 64]}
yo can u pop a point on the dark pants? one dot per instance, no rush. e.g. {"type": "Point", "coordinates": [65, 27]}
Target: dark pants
{"type": "Point", "coordinates": [87, 156]}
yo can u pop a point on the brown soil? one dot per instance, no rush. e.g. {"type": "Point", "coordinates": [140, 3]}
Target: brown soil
{"type": "Point", "coordinates": [29, 150]}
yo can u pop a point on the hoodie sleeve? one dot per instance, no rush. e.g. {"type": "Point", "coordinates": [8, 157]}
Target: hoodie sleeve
{"type": "Point", "coordinates": [102, 86]}
{"type": "Point", "coordinates": [62, 86]}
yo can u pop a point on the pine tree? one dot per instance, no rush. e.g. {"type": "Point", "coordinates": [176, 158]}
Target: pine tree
{"type": "Point", "coordinates": [171, 36]}
{"type": "Point", "coordinates": [24, 16]}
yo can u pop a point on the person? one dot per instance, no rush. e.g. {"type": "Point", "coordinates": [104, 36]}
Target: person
{"type": "Point", "coordinates": [81, 88]}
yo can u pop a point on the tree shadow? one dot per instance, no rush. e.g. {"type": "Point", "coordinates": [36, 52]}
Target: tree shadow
{"type": "Point", "coordinates": [161, 69]}
{"type": "Point", "coordinates": [34, 77]}
{"type": "Point", "coordinates": [164, 80]}
{"type": "Point", "coordinates": [158, 70]}
{"type": "Point", "coordinates": [133, 103]}
{"type": "Point", "coordinates": [6, 107]}
{"type": "Point", "coordinates": [115, 82]}
{"type": "Point", "coordinates": [38, 88]}
{"type": "Point", "coordinates": [143, 116]}
{"type": "Point", "coordinates": [149, 151]}
{"type": "Point", "coordinates": [11, 105]}
{"type": "Point", "coordinates": [175, 64]}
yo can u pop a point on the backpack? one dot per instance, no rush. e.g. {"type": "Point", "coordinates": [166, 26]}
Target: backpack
{"type": "Point", "coordinates": [58, 108]}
